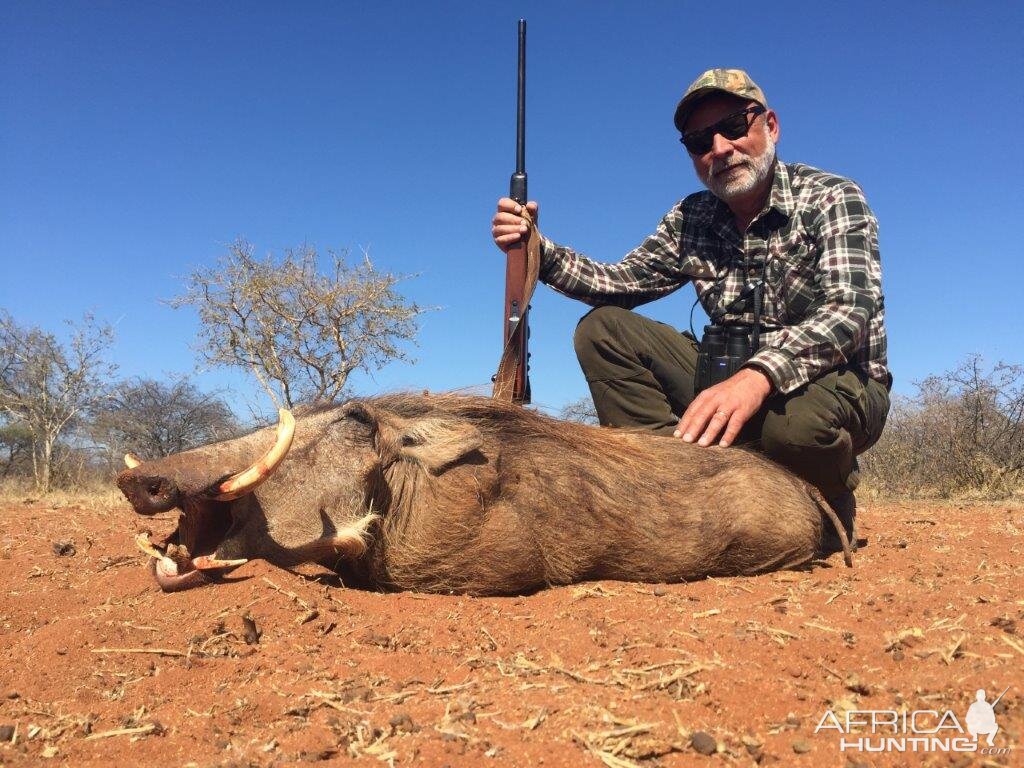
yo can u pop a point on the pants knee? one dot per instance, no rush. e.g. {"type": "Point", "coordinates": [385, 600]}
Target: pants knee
{"type": "Point", "coordinates": [785, 435]}
{"type": "Point", "coordinates": [595, 328]}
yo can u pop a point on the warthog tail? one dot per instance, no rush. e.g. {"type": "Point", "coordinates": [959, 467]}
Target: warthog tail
{"type": "Point", "coordinates": [831, 514]}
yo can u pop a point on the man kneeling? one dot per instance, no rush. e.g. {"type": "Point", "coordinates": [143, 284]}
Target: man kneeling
{"type": "Point", "coordinates": [815, 393]}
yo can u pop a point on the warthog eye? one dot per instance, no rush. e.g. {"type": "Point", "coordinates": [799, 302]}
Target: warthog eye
{"type": "Point", "coordinates": [408, 440]}
{"type": "Point", "coordinates": [357, 413]}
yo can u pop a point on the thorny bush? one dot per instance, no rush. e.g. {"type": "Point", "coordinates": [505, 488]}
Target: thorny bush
{"type": "Point", "coordinates": [962, 434]}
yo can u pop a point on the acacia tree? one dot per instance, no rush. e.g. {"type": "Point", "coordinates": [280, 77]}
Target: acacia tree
{"type": "Point", "coordinates": [300, 331]}
{"type": "Point", "coordinates": [15, 448]}
{"type": "Point", "coordinates": [154, 419]}
{"type": "Point", "coordinates": [49, 387]}
{"type": "Point", "coordinates": [581, 410]}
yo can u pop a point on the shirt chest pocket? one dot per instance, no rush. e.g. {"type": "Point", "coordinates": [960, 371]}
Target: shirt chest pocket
{"type": "Point", "coordinates": [792, 273]}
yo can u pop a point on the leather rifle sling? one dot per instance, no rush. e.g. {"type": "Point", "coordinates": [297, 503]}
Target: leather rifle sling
{"type": "Point", "coordinates": [504, 381]}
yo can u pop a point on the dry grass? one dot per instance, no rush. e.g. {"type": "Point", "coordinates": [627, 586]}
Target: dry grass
{"type": "Point", "coordinates": [22, 491]}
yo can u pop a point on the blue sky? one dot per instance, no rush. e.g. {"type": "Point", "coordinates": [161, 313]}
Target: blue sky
{"type": "Point", "coordinates": [138, 139]}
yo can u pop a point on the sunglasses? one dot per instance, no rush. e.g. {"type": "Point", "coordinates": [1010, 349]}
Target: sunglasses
{"type": "Point", "coordinates": [732, 127]}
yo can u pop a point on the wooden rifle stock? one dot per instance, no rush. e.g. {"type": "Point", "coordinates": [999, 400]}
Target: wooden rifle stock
{"type": "Point", "coordinates": [516, 321]}
{"type": "Point", "coordinates": [512, 382]}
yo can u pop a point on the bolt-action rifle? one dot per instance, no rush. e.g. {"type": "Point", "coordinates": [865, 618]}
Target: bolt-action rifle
{"type": "Point", "coordinates": [512, 382]}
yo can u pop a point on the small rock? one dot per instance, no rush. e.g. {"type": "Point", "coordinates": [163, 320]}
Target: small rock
{"type": "Point", "coordinates": [402, 723]}
{"type": "Point", "coordinates": [250, 632]}
{"type": "Point", "coordinates": [13, 695]}
{"type": "Point", "coordinates": [7, 732]}
{"type": "Point", "coordinates": [801, 747]}
{"type": "Point", "coordinates": [660, 591]}
{"type": "Point", "coordinates": [753, 746]}
{"type": "Point", "coordinates": [898, 655]}
{"type": "Point", "coordinates": [373, 638]}
{"type": "Point", "coordinates": [1004, 623]}
{"type": "Point", "coordinates": [792, 720]}
{"type": "Point", "coordinates": [50, 751]}
{"type": "Point", "coordinates": [64, 548]}
{"type": "Point", "coordinates": [704, 743]}
{"type": "Point", "coordinates": [355, 693]}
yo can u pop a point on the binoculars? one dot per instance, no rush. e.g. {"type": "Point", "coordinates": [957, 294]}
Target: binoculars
{"type": "Point", "coordinates": [722, 352]}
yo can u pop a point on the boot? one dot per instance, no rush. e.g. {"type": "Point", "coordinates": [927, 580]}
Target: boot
{"type": "Point", "coordinates": [845, 506]}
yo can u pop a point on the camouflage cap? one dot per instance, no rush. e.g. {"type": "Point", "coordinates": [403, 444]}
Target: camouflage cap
{"type": "Point", "coordinates": [734, 81]}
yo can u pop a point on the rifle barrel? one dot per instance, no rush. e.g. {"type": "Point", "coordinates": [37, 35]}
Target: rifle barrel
{"type": "Point", "coordinates": [517, 187]}
{"type": "Point", "coordinates": [521, 105]}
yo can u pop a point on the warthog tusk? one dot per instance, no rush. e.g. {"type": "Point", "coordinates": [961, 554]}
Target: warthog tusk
{"type": "Point", "coordinates": [211, 563]}
{"type": "Point", "coordinates": [247, 480]}
{"type": "Point", "coordinates": [142, 542]}
{"type": "Point", "coordinates": [131, 460]}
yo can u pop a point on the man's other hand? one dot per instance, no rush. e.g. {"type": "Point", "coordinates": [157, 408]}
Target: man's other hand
{"type": "Point", "coordinates": [725, 406]}
{"type": "Point", "coordinates": [508, 226]}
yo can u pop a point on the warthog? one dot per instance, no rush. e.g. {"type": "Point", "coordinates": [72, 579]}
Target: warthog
{"type": "Point", "coordinates": [466, 494]}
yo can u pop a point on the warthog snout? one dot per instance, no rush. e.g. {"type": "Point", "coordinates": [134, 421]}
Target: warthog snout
{"type": "Point", "coordinates": [149, 495]}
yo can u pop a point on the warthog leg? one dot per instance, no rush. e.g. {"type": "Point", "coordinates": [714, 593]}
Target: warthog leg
{"type": "Point", "coordinates": [348, 542]}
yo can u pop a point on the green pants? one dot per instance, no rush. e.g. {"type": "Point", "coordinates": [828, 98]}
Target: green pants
{"type": "Point", "coordinates": [641, 374]}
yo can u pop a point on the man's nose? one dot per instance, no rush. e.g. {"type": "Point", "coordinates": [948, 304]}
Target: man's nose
{"type": "Point", "coordinates": [720, 146]}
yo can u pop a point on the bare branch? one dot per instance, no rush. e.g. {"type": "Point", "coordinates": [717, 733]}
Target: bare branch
{"type": "Point", "coordinates": [52, 387]}
{"type": "Point", "coordinates": [300, 332]}
{"type": "Point", "coordinates": [153, 419]}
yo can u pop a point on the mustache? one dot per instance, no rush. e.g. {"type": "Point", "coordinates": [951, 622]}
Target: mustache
{"type": "Point", "coordinates": [723, 165]}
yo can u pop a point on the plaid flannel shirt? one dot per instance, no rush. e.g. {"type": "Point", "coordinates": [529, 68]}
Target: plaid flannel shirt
{"type": "Point", "coordinates": [816, 245]}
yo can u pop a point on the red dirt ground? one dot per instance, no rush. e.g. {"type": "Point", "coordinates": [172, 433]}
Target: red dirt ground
{"type": "Point", "coordinates": [99, 667]}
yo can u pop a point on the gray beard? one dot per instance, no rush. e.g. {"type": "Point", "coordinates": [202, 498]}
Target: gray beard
{"type": "Point", "coordinates": [752, 172]}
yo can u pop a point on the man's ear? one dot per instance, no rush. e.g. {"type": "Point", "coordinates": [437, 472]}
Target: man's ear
{"type": "Point", "coordinates": [771, 119]}
{"type": "Point", "coordinates": [436, 443]}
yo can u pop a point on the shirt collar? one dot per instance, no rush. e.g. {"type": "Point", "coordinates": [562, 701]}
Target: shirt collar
{"type": "Point", "coordinates": [781, 196]}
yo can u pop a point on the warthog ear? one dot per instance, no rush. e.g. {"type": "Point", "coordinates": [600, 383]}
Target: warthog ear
{"type": "Point", "coordinates": [436, 443]}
